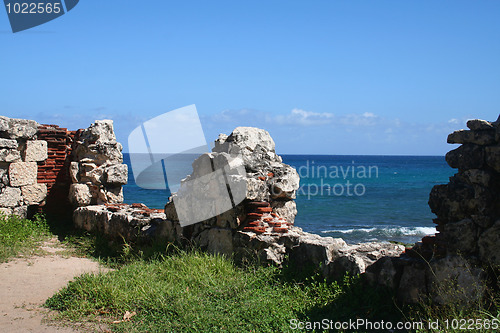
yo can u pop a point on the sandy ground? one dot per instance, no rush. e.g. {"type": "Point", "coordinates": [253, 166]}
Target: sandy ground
{"type": "Point", "coordinates": [25, 284]}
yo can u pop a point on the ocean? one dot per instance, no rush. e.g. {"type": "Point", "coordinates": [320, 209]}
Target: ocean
{"type": "Point", "coordinates": [357, 198]}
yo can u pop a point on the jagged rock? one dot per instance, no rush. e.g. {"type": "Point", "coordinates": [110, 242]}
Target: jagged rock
{"type": "Point", "coordinates": [10, 197]}
{"type": "Point", "coordinates": [34, 194]}
{"type": "Point", "coordinates": [8, 143]}
{"type": "Point", "coordinates": [116, 174]}
{"type": "Point", "coordinates": [22, 173]}
{"type": "Point", "coordinates": [9, 155]}
{"type": "Point", "coordinates": [467, 156]}
{"type": "Point", "coordinates": [100, 132]}
{"type": "Point", "coordinates": [482, 138]}
{"type": "Point", "coordinates": [478, 125]}
{"type": "Point", "coordinates": [35, 151]}
{"type": "Point", "coordinates": [80, 195]}
{"type": "Point", "coordinates": [284, 183]}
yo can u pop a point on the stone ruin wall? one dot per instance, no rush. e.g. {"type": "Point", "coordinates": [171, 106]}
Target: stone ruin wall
{"type": "Point", "coordinates": [462, 260]}
{"type": "Point", "coordinates": [38, 162]}
{"type": "Point", "coordinates": [43, 166]}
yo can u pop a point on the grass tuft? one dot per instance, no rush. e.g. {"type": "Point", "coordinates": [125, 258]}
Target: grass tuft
{"type": "Point", "coordinates": [21, 236]}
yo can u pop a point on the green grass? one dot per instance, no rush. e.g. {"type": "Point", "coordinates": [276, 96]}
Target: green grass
{"type": "Point", "coordinates": [172, 290]}
{"type": "Point", "coordinates": [21, 236]}
{"type": "Point", "coordinates": [197, 292]}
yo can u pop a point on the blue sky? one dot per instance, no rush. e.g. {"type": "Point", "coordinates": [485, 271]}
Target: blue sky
{"type": "Point", "coordinates": [323, 77]}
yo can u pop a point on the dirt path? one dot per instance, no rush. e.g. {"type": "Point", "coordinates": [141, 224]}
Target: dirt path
{"type": "Point", "coordinates": [25, 284]}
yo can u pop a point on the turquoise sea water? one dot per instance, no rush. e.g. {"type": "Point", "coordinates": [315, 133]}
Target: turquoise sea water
{"type": "Point", "coordinates": [358, 198]}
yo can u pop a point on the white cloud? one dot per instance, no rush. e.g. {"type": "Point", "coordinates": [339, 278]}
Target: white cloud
{"type": "Point", "coordinates": [305, 118]}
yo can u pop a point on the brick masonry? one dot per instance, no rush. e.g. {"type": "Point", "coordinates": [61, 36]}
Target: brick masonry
{"type": "Point", "coordinates": [54, 172]}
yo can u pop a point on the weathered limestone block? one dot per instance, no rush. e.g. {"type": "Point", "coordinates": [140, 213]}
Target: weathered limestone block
{"type": "Point", "coordinates": [110, 195]}
{"type": "Point", "coordinates": [35, 151]}
{"type": "Point", "coordinates": [80, 194]}
{"type": "Point", "coordinates": [11, 128]}
{"type": "Point", "coordinates": [8, 143]}
{"type": "Point", "coordinates": [315, 250]}
{"type": "Point", "coordinates": [285, 183]}
{"type": "Point", "coordinates": [467, 156]}
{"type": "Point", "coordinates": [123, 221]}
{"type": "Point", "coordinates": [34, 194]}
{"type": "Point", "coordinates": [22, 173]}
{"type": "Point", "coordinates": [116, 174]}
{"type": "Point", "coordinates": [10, 197]}
{"type": "Point", "coordinates": [482, 138]}
{"type": "Point", "coordinates": [9, 155]}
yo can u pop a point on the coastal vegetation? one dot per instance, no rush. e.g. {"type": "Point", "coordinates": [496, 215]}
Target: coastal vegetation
{"type": "Point", "coordinates": [20, 236]}
{"type": "Point", "coordinates": [160, 288]}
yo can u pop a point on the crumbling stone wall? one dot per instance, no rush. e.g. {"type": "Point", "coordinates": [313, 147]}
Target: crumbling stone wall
{"type": "Point", "coordinates": [97, 170]}
{"type": "Point", "coordinates": [262, 225]}
{"type": "Point", "coordinates": [20, 156]}
{"type": "Point", "coordinates": [45, 167]}
{"type": "Point", "coordinates": [455, 264]}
